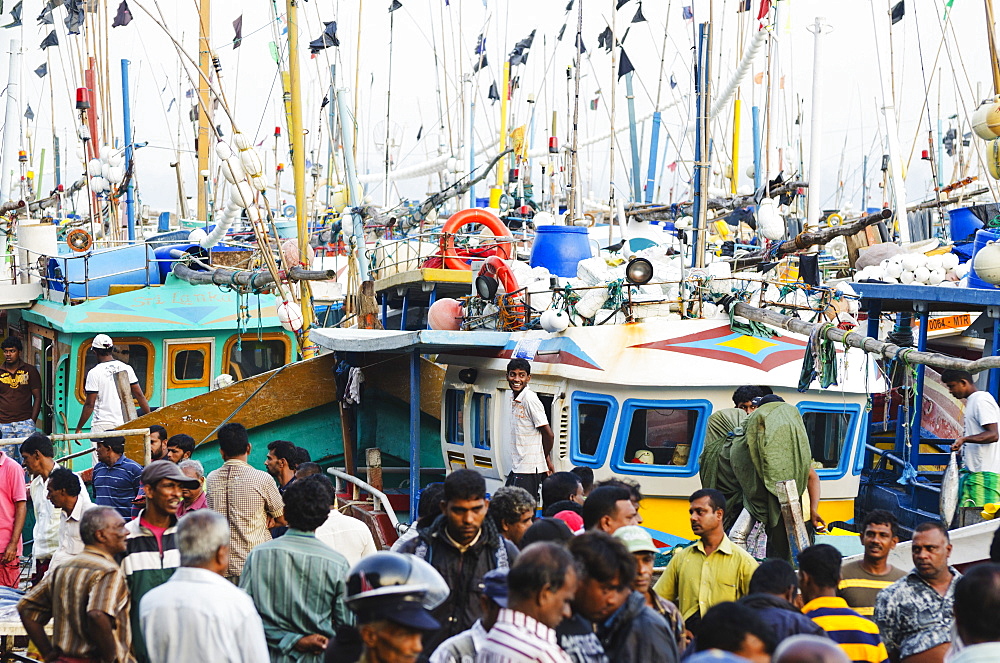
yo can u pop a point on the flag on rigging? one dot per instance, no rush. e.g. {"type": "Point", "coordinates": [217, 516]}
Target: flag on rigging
{"type": "Point", "coordinates": [171, 105]}
{"type": "Point", "coordinates": [593, 103]}
{"type": "Point", "coordinates": [605, 40]}
{"type": "Point", "coordinates": [520, 53]}
{"type": "Point", "coordinates": [481, 52]}
{"type": "Point", "coordinates": [624, 65]}
{"type": "Point", "coordinates": [50, 40]}
{"type": "Point", "coordinates": [897, 12]}
{"type": "Point", "coordinates": [396, 4]}
{"type": "Point", "coordinates": [46, 18]}
{"type": "Point", "coordinates": [29, 114]}
{"type": "Point", "coordinates": [569, 5]}
{"type": "Point", "coordinates": [621, 3]}
{"type": "Point", "coordinates": [124, 16]}
{"type": "Point", "coordinates": [74, 16]}
{"type": "Point", "coordinates": [42, 70]}
{"type": "Point", "coordinates": [420, 132]}
{"type": "Point", "coordinates": [744, 6]}
{"type": "Point", "coordinates": [673, 82]}
{"type": "Point", "coordinates": [687, 13]}
{"type": "Point", "coordinates": [639, 18]}
{"type": "Point", "coordinates": [238, 30]}
{"type": "Point", "coordinates": [15, 15]}
{"type": "Point", "coordinates": [493, 94]}
{"type": "Point", "coordinates": [562, 31]}
{"type": "Point", "coordinates": [325, 40]}
{"type": "Point", "coordinates": [579, 44]}
{"type": "Point", "coordinates": [765, 9]}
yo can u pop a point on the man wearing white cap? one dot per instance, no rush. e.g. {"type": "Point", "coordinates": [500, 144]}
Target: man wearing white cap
{"type": "Point", "coordinates": [102, 394]}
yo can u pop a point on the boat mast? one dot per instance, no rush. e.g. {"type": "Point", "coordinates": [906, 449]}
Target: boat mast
{"type": "Point", "coordinates": [295, 133]}
{"type": "Point", "coordinates": [816, 127]}
{"type": "Point", "coordinates": [203, 144]}
{"type": "Point", "coordinates": [12, 122]}
{"type": "Point", "coordinates": [574, 162]}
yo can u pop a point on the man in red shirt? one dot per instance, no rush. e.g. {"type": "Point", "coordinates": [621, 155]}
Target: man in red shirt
{"type": "Point", "coordinates": [20, 395]}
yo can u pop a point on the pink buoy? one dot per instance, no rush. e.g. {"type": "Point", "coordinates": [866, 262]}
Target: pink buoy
{"type": "Point", "coordinates": [445, 315]}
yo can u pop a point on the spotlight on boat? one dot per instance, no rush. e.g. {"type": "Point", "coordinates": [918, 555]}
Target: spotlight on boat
{"type": "Point", "coordinates": [639, 271]}
{"type": "Point", "coordinates": [468, 375]}
{"type": "Point", "coordinates": [487, 286]}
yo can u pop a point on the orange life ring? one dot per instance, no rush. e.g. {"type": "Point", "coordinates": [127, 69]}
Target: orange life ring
{"type": "Point", "coordinates": [505, 249]}
{"type": "Point", "coordinates": [79, 240]}
{"type": "Point", "coordinates": [495, 266]}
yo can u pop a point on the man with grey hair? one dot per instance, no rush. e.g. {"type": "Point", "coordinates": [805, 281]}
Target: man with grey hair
{"type": "Point", "coordinates": [192, 499]}
{"type": "Point", "coordinates": [198, 615]}
{"type": "Point", "coordinates": [86, 598]}
{"type": "Point", "coordinates": [809, 649]}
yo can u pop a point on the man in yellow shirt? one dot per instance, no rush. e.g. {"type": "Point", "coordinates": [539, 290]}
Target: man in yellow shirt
{"type": "Point", "coordinates": [711, 571]}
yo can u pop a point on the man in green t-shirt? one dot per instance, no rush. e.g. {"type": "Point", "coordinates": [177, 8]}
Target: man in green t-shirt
{"type": "Point", "coordinates": [862, 580]}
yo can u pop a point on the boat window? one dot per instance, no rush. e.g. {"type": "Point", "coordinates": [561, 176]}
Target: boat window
{"type": "Point", "coordinates": [188, 365]}
{"type": "Point", "coordinates": [255, 356]}
{"type": "Point", "coordinates": [454, 416]}
{"type": "Point", "coordinates": [660, 437]}
{"type": "Point", "coordinates": [832, 429]}
{"type": "Point", "coordinates": [136, 352]}
{"type": "Point", "coordinates": [481, 419]}
{"type": "Point", "coordinates": [592, 426]}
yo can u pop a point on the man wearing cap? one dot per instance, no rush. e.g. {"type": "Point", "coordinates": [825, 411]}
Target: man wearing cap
{"type": "Point", "coordinates": [462, 648]}
{"type": "Point", "coordinates": [102, 393]}
{"type": "Point", "coordinates": [638, 542]}
{"type": "Point", "coordinates": [151, 553]}
{"type": "Point", "coordinates": [198, 615]}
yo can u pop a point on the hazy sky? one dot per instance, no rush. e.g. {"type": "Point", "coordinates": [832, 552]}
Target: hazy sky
{"type": "Point", "coordinates": [428, 31]}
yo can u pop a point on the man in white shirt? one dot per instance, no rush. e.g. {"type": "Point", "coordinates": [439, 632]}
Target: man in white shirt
{"type": "Point", "coordinates": [68, 495]}
{"type": "Point", "coordinates": [198, 615]}
{"type": "Point", "coordinates": [348, 536]}
{"type": "Point", "coordinates": [38, 453]}
{"type": "Point", "coordinates": [980, 450]}
{"type": "Point", "coordinates": [102, 393]}
{"type": "Point", "coordinates": [530, 434]}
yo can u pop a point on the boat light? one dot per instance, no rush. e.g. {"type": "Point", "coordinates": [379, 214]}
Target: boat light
{"type": "Point", "coordinates": [639, 271]}
{"type": "Point", "coordinates": [82, 98]}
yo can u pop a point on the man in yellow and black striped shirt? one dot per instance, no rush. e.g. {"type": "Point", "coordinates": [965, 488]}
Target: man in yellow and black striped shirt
{"type": "Point", "coordinates": [862, 580]}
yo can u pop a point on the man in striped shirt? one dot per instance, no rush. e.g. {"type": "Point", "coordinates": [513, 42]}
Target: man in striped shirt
{"type": "Point", "coordinates": [819, 576]}
{"type": "Point", "coordinates": [116, 478]}
{"type": "Point", "coordinates": [862, 580]}
{"type": "Point", "coordinates": [541, 584]}
{"type": "Point", "coordinates": [86, 598]}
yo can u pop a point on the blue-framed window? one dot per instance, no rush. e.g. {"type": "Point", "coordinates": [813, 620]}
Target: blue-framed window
{"type": "Point", "coordinates": [859, 456]}
{"type": "Point", "coordinates": [832, 429]}
{"type": "Point", "coordinates": [481, 411]}
{"type": "Point", "coordinates": [592, 425]}
{"type": "Point", "coordinates": [660, 438]}
{"type": "Point", "coordinates": [454, 416]}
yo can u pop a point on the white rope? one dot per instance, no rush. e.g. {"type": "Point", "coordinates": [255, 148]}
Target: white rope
{"type": "Point", "coordinates": [738, 76]}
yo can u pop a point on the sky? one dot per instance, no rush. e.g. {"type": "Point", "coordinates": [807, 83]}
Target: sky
{"type": "Point", "coordinates": [423, 54]}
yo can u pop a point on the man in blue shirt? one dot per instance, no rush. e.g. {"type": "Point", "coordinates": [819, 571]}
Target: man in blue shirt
{"type": "Point", "coordinates": [116, 478]}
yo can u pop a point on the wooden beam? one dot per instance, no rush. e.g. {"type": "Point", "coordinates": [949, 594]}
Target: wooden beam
{"type": "Point", "coordinates": [254, 279]}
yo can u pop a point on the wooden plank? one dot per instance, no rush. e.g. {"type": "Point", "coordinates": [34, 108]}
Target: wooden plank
{"type": "Point", "coordinates": [418, 276]}
{"type": "Point", "coordinates": [125, 395]}
{"type": "Point", "coordinates": [791, 514]}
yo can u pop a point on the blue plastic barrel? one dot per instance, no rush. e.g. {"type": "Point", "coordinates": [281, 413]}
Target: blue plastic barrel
{"type": "Point", "coordinates": [983, 237]}
{"type": "Point", "coordinates": [560, 248]}
{"type": "Point", "coordinates": [165, 257]}
{"type": "Point", "coordinates": [963, 223]}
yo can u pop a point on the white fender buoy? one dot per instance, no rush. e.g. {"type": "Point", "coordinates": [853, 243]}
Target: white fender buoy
{"type": "Point", "coordinates": [987, 263]}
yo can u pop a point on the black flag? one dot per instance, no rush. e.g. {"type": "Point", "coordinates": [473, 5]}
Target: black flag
{"type": "Point", "coordinates": [50, 40]}
{"type": "Point", "coordinates": [124, 16]}
{"type": "Point", "coordinates": [520, 53]}
{"type": "Point", "coordinates": [639, 18]}
{"type": "Point", "coordinates": [569, 6]}
{"type": "Point", "coordinates": [621, 3]}
{"type": "Point", "coordinates": [29, 114]}
{"type": "Point", "coordinates": [579, 43]}
{"type": "Point", "coordinates": [420, 132]}
{"type": "Point", "coordinates": [238, 29]}
{"type": "Point", "coordinates": [15, 15]}
{"type": "Point", "coordinates": [42, 70]}
{"type": "Point", "coordinates": [46, 18]}
{"type": "Point", "coordinates": [74, 16]}
{"type": "Point", "coordinates": [481, 52]}
{"type": "Point", "coordinates": [396, 4]}
{"type": "Point", "coordinates": [604, 40]}
{"type": "Point", "coordinates": [562, 31]}
{"type": "Point", "coordinates": [325, 40]}
{"type": "Point", "coordinates": [494, 95]}
{"type": "Point", "coordinates": [480, 63]}
{"type": "Point", "coordinates": [624, 65]}
{"type": "Point", "coordinates": [897, 12]}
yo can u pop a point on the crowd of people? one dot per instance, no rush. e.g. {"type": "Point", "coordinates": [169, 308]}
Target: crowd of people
{"type": "Point", "coordinates": [167, 565]}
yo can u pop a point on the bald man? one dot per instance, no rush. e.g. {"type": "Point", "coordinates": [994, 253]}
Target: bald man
{"type": "Point", "coordinates": [809, 649]}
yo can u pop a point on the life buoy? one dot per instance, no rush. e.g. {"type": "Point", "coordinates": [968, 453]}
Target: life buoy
{"type": "Point", "coordinates": [495, 266]}
{"type": "Point", "coordinates": [451, 259]}
{"type": "Point", "coordinates": [79, 240]}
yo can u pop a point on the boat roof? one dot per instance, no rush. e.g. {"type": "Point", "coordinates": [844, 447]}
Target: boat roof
{"type": "Point", "coordinates": [894, 297]}
{"type": "Point", "coordinates": [175, 306]}
{"type": "Point", "coordinates": [427, 341]}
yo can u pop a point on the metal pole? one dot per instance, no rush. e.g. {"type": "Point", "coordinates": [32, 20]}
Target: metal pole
{"type": "Point", "coordinates": [497, 191]}
{"type": "Point", "coordinates": [735, 179]}
{"type": "Point", "coordinates": [205, 131]}
{"type": "Point", "coordinates": [755, 115]}
{"type": "Point", "coordinates": [636, 177]}
{"type": "Point", "coordinates": [414, 432]}
{"type": "Point", "coordinates": [815, 133]}
{"type": "Point", "coordinates": [127, 118]}
{"type": "Point", "coordinates": [896, 168]}
{"type": "Point", "coordinates": [654, 145]}
{"type": "Point", "coordinates": [472, 147]}
{"type": "Point", "coordinates": [12, 122]}
{"type": "Point", "coordinates": [351, 218]}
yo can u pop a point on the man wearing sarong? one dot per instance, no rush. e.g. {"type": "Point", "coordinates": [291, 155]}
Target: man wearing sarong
{"type": "Point", "coordinates": [980, 482]}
